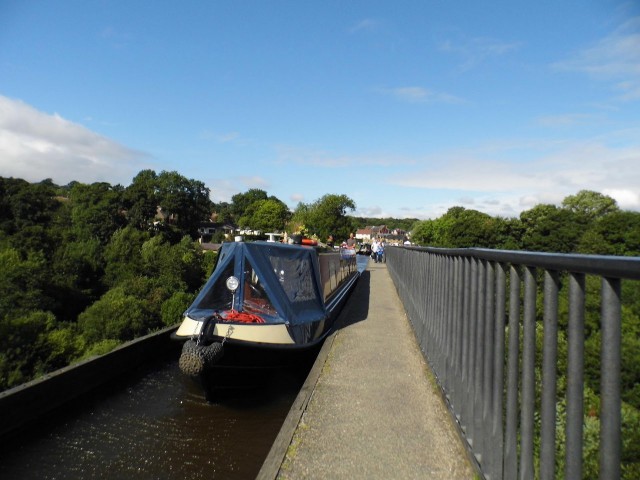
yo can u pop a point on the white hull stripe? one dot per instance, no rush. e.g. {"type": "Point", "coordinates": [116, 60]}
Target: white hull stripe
{"type": "Point", "coordinates": [255, 333]}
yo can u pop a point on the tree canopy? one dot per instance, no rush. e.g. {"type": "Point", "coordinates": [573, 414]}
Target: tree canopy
{"type": "Point", "coordinates": [327, 216]}
{"type": "Point", "coordinates": [587, 222]}
{"type": "Point", "coordinates": [86, 266]}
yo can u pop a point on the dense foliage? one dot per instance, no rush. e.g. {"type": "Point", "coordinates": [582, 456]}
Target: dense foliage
{"type": "Point", "coordinates": [85, 267]}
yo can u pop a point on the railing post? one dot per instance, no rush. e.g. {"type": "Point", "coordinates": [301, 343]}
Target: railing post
{"type": "Point", "coordinates": [488, 350]}
{"type": "Point", "coordinates": [450, 324]}
{"type": "Point", "coordinates": [465, 411]}
{"type": "Point", "coordinates": [478, 388]}
{"type": "Point", "coordinates": [575, 378]}
{"type": "Point", "coordinates": [511, 420]}
{"type": "Point", "coordinates": [497, 438]}
{"type": "Point", "coordinates": [471, 358]}
{"type": "Point", "coordinates": [458, 393]}
{"type": "Point", "coordinates": [549, 389]}
{"type": "Point", "coordinates": [610, 398]}
{"type": "Point", "coordinates": [528, 375]}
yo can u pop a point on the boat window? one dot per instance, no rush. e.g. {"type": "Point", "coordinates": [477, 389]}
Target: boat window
{"type": "Point", "coordinates": [255, 298]}
{"type": "Point", "coordinates": [218, 297]}
{"type": "Point", "coordinates": [296, 277]}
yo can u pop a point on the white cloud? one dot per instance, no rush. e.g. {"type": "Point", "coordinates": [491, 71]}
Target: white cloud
{"type": "Point", "coordinates": [221, 137]}
{"type": "Point", "coordinates": [222, 189]}
{"type": "Point", "coordinates": [626, 199]}
{"type": "Point", "coordinates": [567, 120]}
{"type": "Point", "coordinates": [374, 211]}
{"type": "Point", "coordinates": [414, 94]}
{"type": "Point", "coordinates": [615, 59]}
{"type": "Point", "coordinates": [296, 197]}
{"type": "Point", "coordinates": [499, 186]}
{"type": "Point", "coordinates": [366, 24]}
{"type": "Point", "coordinates": [477, 50]}
{"type": "Point", "coordinates": [36, 145]}
{"type": "Point", "coordinates": [309, 156]}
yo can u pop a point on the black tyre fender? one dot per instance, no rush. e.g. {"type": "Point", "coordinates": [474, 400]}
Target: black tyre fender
{"type": "Point", "coordinates": [195, 359]}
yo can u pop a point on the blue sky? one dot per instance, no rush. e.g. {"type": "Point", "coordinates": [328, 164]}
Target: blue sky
{"type": "Point", "coordinates": [407, 107]}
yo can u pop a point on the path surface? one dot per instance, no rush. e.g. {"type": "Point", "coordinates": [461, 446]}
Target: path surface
{"type": "Point", "coordinates": [372, 409]}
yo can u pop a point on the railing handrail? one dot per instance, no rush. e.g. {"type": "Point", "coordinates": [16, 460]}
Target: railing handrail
{"type": "Point", "coordinates": [604, 265]}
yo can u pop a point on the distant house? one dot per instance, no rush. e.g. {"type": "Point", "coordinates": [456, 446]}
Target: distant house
{"type": "Point", "coordinates": [368, 233]}
{"type": "Point", "coordinates": [162, 216]}
{"type": "Point", "coordinates": [229, 230]}
{"type": "Point", "coordinates": [210, 247]}
{"type": "Point", "coordinates": [210, 228]}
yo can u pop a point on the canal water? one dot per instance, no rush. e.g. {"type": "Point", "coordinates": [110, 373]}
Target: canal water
{"type": "Point", "coordinates": [156, 425]}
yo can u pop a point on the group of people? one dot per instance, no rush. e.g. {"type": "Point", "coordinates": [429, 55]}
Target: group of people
{"type": "Point", "coordinates": [377, 246]}
{"type": "Point", "coordinates": [377, 250]}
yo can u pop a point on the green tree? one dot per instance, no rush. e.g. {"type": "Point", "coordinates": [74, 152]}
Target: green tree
{"type": "Point", "coordinates": [178, 267]}
{"type": "Point", "coordinates": [241, 202]}
{"type": "Point", "coordinates": [123, 255]}
{"type": "Point", "coordinates": [28, 211]}
{"type": "Point", "coordinates": [77, 270]}
{"type": "Point", "coordinates": [616, 233]}
{"type": "Point", "coordinates": [424, 233]}
{"type": "Point", "coordinates": [23, 282]}
{"type": "Point", "coordinates": [469, 228]}
{"type": "Point", "coordinates": [24, 204]}
{"type": "Point", "coordinates": [23, 346]}
{"type": "Point", "coordinates": [174, 307]}
{"type": "Point", "coordinates": [8, 188]}
{"type": "Point", "coordinates": [184, 202]}
{"type": "Point", "coordinates": [547, 228]}
{"type": "Point", "coordinates": [266, 215]}
{"type": "Point", "coordinates": [590, 204]}
{"type": "Point", "coordinates": [140, 199]}
{"type": "Point", "coordinates": [96, 210]}
{"type": "Point", "coordinates": [223, 213]}
{"type": "Point", "coordinates": [63, 346]}
{"type": "Point", "coordinates": [118, 315]}
{"type": "Point", "coordinates": [462, 228]}
{"type": "Point", "coordinates": [327, 216]}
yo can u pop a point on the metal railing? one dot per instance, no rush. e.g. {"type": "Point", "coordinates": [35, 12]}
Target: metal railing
{"type": "Point", "coordinates": [474, 314]}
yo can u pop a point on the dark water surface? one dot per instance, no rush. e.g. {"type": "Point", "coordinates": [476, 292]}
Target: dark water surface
{"type": "Point", "coordinates": [155, 425]}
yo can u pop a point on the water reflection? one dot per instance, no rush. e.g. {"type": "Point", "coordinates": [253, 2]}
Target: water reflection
{"type": "Point", "coordinates": [156, 427]}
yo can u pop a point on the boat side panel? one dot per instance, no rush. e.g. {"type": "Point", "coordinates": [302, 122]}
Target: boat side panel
{"type": "Point", "coordinates": [257, 333]}
{"type": "Point", "coordinates": [335, 269]}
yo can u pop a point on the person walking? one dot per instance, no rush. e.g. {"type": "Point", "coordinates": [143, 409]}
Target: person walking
{"type": "Point", "coordinates": [381, 256]}
{"type": "Point", "coordinates": [351, 241]}
{"type": "Point", "coordinates": [375, 246]}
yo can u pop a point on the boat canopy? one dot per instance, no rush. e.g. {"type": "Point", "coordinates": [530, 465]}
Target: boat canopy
{"type": "Point", "coordinates": [279, 283]}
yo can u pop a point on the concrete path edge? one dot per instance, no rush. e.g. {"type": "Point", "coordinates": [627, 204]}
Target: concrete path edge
{"type": "Point", "coordinates": [276, 456]}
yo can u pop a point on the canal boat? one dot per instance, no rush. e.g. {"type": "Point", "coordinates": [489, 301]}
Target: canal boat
{"type": "Point", "coordinates": [263, 302]}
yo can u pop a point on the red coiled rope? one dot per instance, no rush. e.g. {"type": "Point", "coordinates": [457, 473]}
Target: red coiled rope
{"type": "Point", "coordinates": [244, 317]}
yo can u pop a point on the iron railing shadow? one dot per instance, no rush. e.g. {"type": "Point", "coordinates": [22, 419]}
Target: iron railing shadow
{"type": "Point", "coordinates": [461, 311]}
